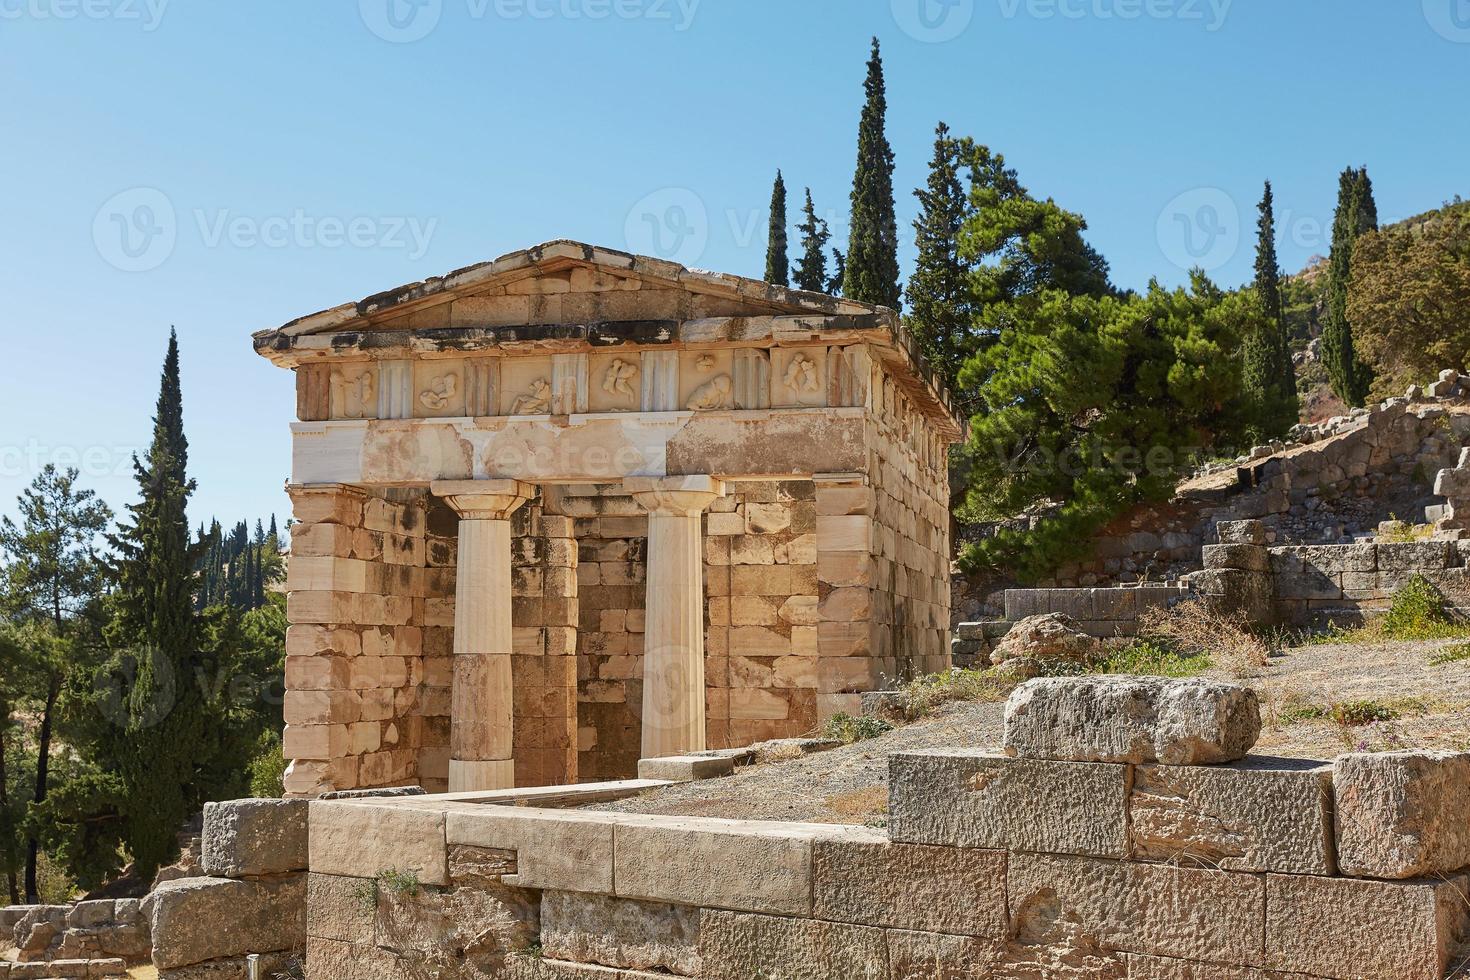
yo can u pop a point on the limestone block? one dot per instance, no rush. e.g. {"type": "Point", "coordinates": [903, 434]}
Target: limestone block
{"type": "Point", "coordinates": [567, 850]}
{"type": "Point", "coordinates": [245, 838]}
{"type": "Point", "coordinates": [1246, 557]}
{"type": "Point", "coordinates": [1334, 559]}
{"type": "Point", "coordinates": [1141, 967]}
{"type": "Point", "coordinates": [1261, 814]}
{"type": "Point", "coordinates": [938, 956]}
{"type": "Point", "coordinates": [197, 919]}
{"type": "Point", "coordinates": [1131, 719]}
{"type": "Point", "coordinates": [1241, 532]}
{"type": "Point", "coordinates": [1403, 814]}
{"type": "Point", "coordinates": [357, 839]}
{"type": "Point", "coordinates": [685, 768]}
{"type": "Point", "coordinates": [744, 866]}
{"type": "Point", "coordinates": [1413, 556]}
{"type": "Point", "coordinates": [1341, 927]}
{"type": "Point", "coordinates": [872, 882]}
{"type": "Point", "coordinates": [340, 908]}
{"type": "Point", "coordinates": [327, 959]}
{"type": "Point", "coordinates": [542, 968]}
{"type": "Point", "coordinates": [620, 933]}
{"type": "Point", "coordinates": [743, 947]}
{"type": "Point", "coordinates": [1211, 916]}
{"type": "Point", "coordinates": [970, 798]}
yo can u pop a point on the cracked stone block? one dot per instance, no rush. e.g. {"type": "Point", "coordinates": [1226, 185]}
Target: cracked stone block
{"type": "Point", "coordinates": [1131, 719]}
{"type": "Point", "coordinates": [1403, 814]}
{"type": "Point", "coordinates": [1344, 927]}
{"type": "Point", "coordinates": [340, 908]}
{"type": "Point", "coordinates": [1261, 814]}
{"type": "Point", "coordinates": [620, 933]}
{"type": "Point", "coordinates": [973, 799]}
{"type": "Point", "coordinates": [1209, 916]}
{"type": "Point", "coordinates": [738, 946]}
{"type": "Point", "coordinates": [941, 956]}
{"type": "Point", "coordinates": [246, 838]}
{"type": "Point", "coordinates": [198, 919]}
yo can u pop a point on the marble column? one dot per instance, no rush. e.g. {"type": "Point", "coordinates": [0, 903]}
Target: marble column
{"type": "Point", "coordinates": [481, 712]}
{"type": "Point", "coordinates": [673, 654]}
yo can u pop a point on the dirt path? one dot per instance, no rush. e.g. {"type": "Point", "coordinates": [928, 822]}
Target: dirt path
{"type": "Point", "coordinates": [849, 785]}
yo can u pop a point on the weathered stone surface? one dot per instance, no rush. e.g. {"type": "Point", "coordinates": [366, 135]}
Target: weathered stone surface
{"type": "Point", "coordinates": [911, 886]}
{"type": "Point", "coordinates": [741, 947]}
{"type": "Point", "coordinates": [940, 956]}
{"type": "Point", "coordinates": [64, 969]}
{"type": "Point", "coordinates": [1260, 814]}
{"type": "Point", "coordinates": [969, 798]}
{"type": "Point", "coordinates": [1403, 814]}
{"type": "Point", "coordinates": [1241, 532]}
{"type": "Point", "coordinates": [350, 839]}
{"type": "Point", "coordinates": [1131, 719]}
{"type": "Point", "coordinates": [542, 968]}
{"type": "Point", "coordinates": [1244, 557]}
{"type": "Point", "coordinates": [234, 968]}
{"type": "Point", "coordinates": [255, 837]}
{"type": "Point", "coordinates": [340, 908]}
{"type": "Point", "coordinates": [745, 866]}
{"type": "Point", "coordinates": [1049, 638]}
{"type": "Point", "coordinates": [327, 959]}
{"type": "Point", "coordinates": [1346, 928]}
{"type": "Point", "coordinates": [685, 768]}
{"type": "Point", "coordinates": [198, 919]}
{"type": "Point", "coordinates": [620, 932]}
{"type": "Point", "coordinates": [1168, 968]}
{"type": "Point", "coordinates": [1211, 916]}
{"type": "Point", "coordinates": [568, 850]}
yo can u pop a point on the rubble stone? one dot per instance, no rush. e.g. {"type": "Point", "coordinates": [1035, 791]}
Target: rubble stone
{"type": "Point", "coordinates": [255, 837]}
{"type": "Point", "coordinates": [1131, 719]}
{"type": "Point", "coordinates": [1049, 638]}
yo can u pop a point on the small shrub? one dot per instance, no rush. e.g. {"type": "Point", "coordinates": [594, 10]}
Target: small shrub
{"type": "Point", "coordinates": [847, 729]}
{"type": "Point", "coordinates": [1152, 658]}
{"type": "Point", "coordinates": [1192, 630]}
{"type": "Point", "coordinates": [1459, 653]}
{"type": "Point", "coordinates": [1362, 712]}
{"type": "Point", "coordinates": [268, 769]}
{"type": "Point", "coordinates": [400, 883]}
{"type": "Point", "coordinates": [922, 695]}
{"type": "Point", "coordinates": [1376, 736]}
{"type": "Point", "coordinates": [1402, 532]}
{"type": "Point", "coordinates": [365, 895]}
{"type": "Point", "coordinates": [1417, 613]}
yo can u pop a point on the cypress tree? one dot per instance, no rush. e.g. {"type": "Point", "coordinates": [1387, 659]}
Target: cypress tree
{"type": "Point", "coordinates": [811, 272]}
{"type": "Point", "coordinates": [839, 273]}
{"type": "Point", "coordinates": [938, 293]}
{"type": "Point", "coordinates": [1268, 376]}
{"type": "Point", "coordinates": [871, 265]}
{"type": "Point", "coordinates": [777, 270]}
{"type": "Point", "coordinates": [1357, 213]}
{"type": "Point", "coordinates": [155, 629]}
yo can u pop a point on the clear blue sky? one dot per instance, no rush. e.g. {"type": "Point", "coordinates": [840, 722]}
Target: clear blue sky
{"type": "Point", "coordinates": [226, 166]}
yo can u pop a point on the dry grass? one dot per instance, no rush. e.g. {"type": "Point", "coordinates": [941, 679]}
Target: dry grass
{"type": "Point", "coordinates": [1193, 630]}
{"type": "Point", "coordinates": [861, 805]}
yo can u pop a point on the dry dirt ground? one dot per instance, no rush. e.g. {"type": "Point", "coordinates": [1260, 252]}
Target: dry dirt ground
{"type": "Point", "coordinates": [1430, 706]}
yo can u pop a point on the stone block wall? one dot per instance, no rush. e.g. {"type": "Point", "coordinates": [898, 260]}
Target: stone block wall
{"type": "Point", "coordinates": [990, 866]}
{"type": "Point", "coordinates": [361, 593]}
{"type": "Point", "coordinates": [1337, 580]}
{"type": "Point", "coordinates": [1103, 613]}
{"type": "Point", "coordinates": [908, 472]}
{"type": "Point", "coordinates": [96, 938]}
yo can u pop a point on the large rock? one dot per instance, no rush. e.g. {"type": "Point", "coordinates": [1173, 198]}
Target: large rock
{"type": "Point", "coordinates": [1131, 719]}
{"type": "Point", "coordinates": [1050, 639]}
{"type": "Point", "coordinates": [199, 919]}
{"type": "Point", "coordinates": [1403, 814]}
{"type": "Point", "coordinates": [245, 838]}
{"type": "Point", "coordinates": [620, 933]}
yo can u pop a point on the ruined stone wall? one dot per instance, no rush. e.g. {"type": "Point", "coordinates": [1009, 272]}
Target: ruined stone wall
{"type": "Point", "coordinates": [361, 593]}
{"type": "Point", "coordinates": [909, 476]}
{"type": "Point", "coordinates": [990, 866]}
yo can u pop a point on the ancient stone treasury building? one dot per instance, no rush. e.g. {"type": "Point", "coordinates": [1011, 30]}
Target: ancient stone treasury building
{"type": "Point", "coordinates": [573, 507]}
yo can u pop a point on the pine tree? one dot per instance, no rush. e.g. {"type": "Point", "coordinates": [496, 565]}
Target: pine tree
{"type": "Point", "coordinates": [939, 297]}
{"type": "Point", "coordinates": [839, 273]}
{"type": "Point", "coordinates": [155, 635]}
{"type": "Point", "coordinates": [871, 267]}
{"type": "Point", "coordinates": [777, 270]}
{"type": "Point", "coordinates": [1268, 376]}
{"type": "Point", "coordinates": [1357, 213]}
{"type": "Point", "coordinates": [811, 272]}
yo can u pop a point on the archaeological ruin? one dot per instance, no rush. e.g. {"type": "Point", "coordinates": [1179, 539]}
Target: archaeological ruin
{"type": "Point", "coordinates": [572, 508]}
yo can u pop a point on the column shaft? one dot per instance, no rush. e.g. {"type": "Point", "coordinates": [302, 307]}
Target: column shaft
{"type": "Point", "coordinates": [480, 753]}
{"type": "Point", "coordinates": [673, 657]}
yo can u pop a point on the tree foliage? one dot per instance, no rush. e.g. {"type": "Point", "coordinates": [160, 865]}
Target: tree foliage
{"type": "Point", "coordinates": [1410, 297]}
{"type": "Point", "coordinates": [1269, 378]}
{"type": "Point", "coordinates": [810, 273]}
{"type": "Point", "coordinates": [1357, 214]}
{"type": "Point", "coordinates": [777, 269]}
{"type": "Point", "coordinates": [871, 264]}
{"type": "Point", "coordinates": [941, 310]}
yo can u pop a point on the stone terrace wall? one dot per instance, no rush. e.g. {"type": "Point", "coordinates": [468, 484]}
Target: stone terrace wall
{"type": "Point", "coordinates": [991, 866]}
{"type": "Point", "coordinates": [1103, 613]}
{"type": "Point", "coordinates": [97, 939]}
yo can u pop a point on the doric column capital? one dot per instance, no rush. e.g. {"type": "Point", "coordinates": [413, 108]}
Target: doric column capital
{"type": "Point", "coordinates": [675, 496]}
{"type": "Point", "coordinates": [484, 500]}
